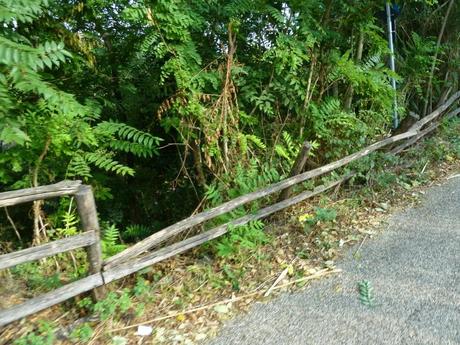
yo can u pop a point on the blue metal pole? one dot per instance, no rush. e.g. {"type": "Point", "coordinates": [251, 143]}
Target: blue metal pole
{"type": "Point", "coordinates": [392, 64]}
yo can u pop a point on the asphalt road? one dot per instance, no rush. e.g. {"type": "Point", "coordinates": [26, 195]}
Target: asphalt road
{"type": "Point", "coordinates": [414, 267]}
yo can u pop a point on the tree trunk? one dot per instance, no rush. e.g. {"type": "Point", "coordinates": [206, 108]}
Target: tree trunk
{"type": "Point", "coordinates": [429, 88]}
{"type": "Point", "coordinates": [359, 56]}
{"type": "Point", "coordinates": [198, 163]}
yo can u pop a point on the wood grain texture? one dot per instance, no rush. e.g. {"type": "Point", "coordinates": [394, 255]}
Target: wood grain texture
{"type": "Point", "coordinates": [116, 272]}
{"type": "Point", "coordinates": [47, 249]}
{"type": "Point", "coordinates": [430, 117]}
{"type": "Point", "coordinates": [411, 141]}
{"type": "Point", "coordinates": [38, 193]}
{"type": "Point", "coordinates": [49, 299]}
{"type": "Point", "coordinates": [86, 207]}
{"type": "Point", "coordinates": [423, 133]}
{"type": "Point", "coordinates": [187, 223]}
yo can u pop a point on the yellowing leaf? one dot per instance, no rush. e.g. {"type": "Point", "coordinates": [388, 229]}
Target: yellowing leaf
{"type": "Point", "coordinates": [305, 217]}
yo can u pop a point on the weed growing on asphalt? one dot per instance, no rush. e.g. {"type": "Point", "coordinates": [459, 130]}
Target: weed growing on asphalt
{"type": "Point", "coordinates": [366, 293]}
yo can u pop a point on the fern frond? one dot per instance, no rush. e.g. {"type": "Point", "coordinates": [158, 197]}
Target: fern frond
{"type": "Point", "coordinates": [256, 141]}
{"type": "Point", "coordinates": [136, 231]}
{"type": "Point", "coordinates": [24, 11]}
{"type": "Point", "coordinates": [212, 194]}
{"type": "Point", "coordinates": [128, 133]}
{"type": "Point", "coordinates": [276, 14]}
{"type": "Point", "coordinates": [149, 40]}
{"type": "Point", "coordinates": [243, 142]}
{"type": "Point", "coordinates": [69, 225]}
{"type": "Point", "coordinates": [372, 62]}
{"type": "Point", "coordinates": [78, 167]}
{"type": "Point", "coordinates": [49, 54]}
{"type": "Point", "coordinates": [110, 241]}
{"type": "Point", "coordinates": [103, 160]}
{"type": "Point", "coordinates": [111, 235]}
{"type": "Point", "coordinates": [237, 7]}
{"type": "Point", "coordinates": [134, 148]}
{"type": "Point", "coordinates": [328, 108]}
{"type": "Point", "coordinates": [291, 146]}
{"type": "Point", "coordinates": [366, 293]}
{"type": "Point", "coordinates": [281, 151]}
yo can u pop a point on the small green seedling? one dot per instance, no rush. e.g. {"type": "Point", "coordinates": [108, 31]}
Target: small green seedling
{"type": "Point", "coordinates": [366, 293]}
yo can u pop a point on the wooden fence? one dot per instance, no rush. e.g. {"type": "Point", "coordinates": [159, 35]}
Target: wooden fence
{"type": "Point", "coordinates": [88, 239]}
{"type": "Point", "coordinates": [138, 256]}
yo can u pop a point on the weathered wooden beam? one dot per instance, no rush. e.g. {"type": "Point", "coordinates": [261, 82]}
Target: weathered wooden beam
{"type": "Point", "coordinates": [112, 272]}
{"type": "Point", "coordinates": [86, 207]}
{"type": "Point", "coordinates": [411, 141]}
{"type": "Point", "coordinates": [228, 206]}
{"type": "Point", "coordinates": [423, 133]}
{"type": "Point", "coordinates": [453, 113]}
{"type": "Point", "coordinates": [49, 299]}
{"type": "Point", "coordinates": [47, 249]}
{"type": "Point", "coordinates": [430, 117]}
{"type": "Point", "coordinates": [297, 168]}
{"type": "Point", "coordinates": [38, 193]}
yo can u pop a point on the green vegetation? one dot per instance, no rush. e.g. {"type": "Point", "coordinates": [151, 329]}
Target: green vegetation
{"type": "Point", "coordinates": [169, 107]}
{"type": "Point", "coordinates": [366, 293]}
{"type": "Point", "coordinates": [43, 336]}
{"type": "Point", "coordinates": [220, 269]}
{"type": "Point", "coordinates": [229, 89]}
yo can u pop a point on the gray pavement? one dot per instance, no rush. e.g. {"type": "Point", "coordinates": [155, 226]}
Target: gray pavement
{"type": "Point", "coordinates": [414, 267]}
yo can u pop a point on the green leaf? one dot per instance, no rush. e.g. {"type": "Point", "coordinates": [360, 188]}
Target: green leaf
{"type": "Point", "coordinates": [13, 135]}
{"type": "Point", "coordinates": [366, 293]}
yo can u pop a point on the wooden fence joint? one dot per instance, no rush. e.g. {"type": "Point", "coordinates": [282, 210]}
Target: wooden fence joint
{"type": "Point", "coordinates": [86, 207]}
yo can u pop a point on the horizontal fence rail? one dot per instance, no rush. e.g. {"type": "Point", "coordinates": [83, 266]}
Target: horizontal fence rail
{"type": "Point", "coordinates": [131, 260]}
{"type": "Point", "coordinates": [228, 206]}
{"type": "Point", "coordinates": [88, 239]}
{"type": "Point", "coordinates": [49, 299]}
{"type": "Point", "coordinates": [180, 247]}
{"type": "Point", "coordinates": [48, 249]}
{"type": "Point", "coordinates": [39, 193]}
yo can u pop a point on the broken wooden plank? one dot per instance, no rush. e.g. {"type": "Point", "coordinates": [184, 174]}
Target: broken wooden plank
{"type": "Point", "coordinates": [423, 133]}
{"type": "Point", "coordinates": [430, 117]}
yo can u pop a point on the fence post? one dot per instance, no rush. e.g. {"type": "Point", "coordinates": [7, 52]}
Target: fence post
{"type": "Point", "coordinates": [297, 168]}
{"type": "Point", "coordinates": [86, 207]}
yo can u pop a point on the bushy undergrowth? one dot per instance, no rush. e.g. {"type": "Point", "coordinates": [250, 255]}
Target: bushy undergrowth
{"type": "Point", "coordinates": [232, 89]}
